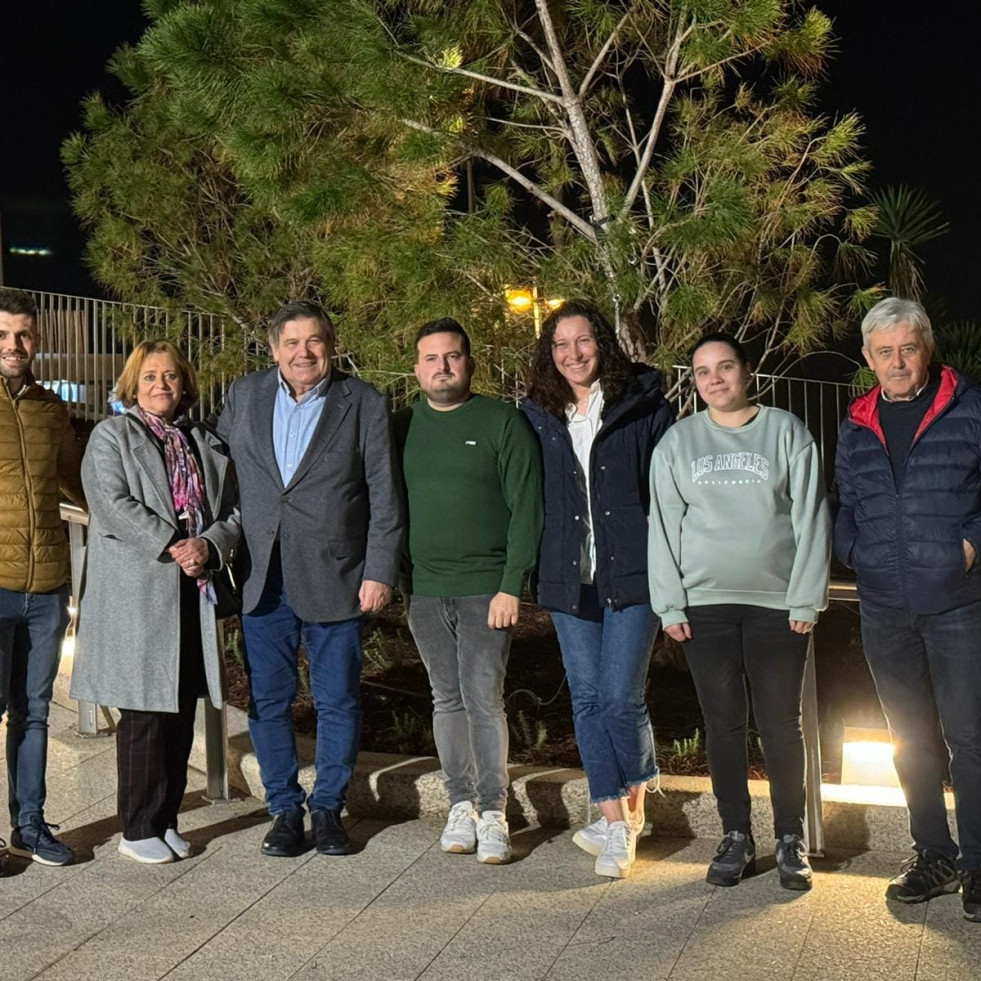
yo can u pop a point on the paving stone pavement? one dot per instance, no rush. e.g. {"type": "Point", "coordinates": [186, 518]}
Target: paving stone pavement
{"type": "Point", "coordinates": [401, 909]}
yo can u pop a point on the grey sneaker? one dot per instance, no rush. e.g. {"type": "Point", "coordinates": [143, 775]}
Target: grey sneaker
{"type": "Point", "coordinates": [792, 863]}
{"type": "Point", "coordinates": [459, 837]}
{"type": "Point", "coordinates": [734, 858]}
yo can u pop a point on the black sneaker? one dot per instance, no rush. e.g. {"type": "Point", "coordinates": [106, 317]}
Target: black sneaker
{"type": "Point", "coordinates": [971, 884]}
{"type": "Point", "coordinates": [35, 841]}
{"type": "Point", "coordinates": [329, 833]}
{"type": "Point", "coordinates": [734, 858]}
{"type": "Point", "coordinates": [792, 863]}
{"type": "Point", "coordinates": [285, 839]}
{"type": "Point", "coordinates": [3, 858]}
{"type": "Point", "coordinates": [922, 877]}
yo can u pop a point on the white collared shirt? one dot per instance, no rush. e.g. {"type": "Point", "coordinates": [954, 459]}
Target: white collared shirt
{"type": "Point", "coordinates": [582, 432]}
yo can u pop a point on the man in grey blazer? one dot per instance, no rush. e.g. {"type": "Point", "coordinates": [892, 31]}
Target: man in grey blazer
{"type": "Point", "coordinates": [322, 520]}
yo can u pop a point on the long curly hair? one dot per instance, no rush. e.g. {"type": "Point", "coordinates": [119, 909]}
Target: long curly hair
{"type": "Point", "coordinates": [548, 389]}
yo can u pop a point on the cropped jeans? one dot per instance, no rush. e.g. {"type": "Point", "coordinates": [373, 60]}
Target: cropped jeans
{"type": "Point", "coordinates": [927, 673]}
{"type": "Point", "coordinates": [466, 661]}
{"type": "Point", "coordinates": [606, 654]}
{"type": "Point", "coordinates": [32, 626]}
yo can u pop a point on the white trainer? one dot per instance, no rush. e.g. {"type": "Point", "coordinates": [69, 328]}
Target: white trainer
{"type": "Point", "coordinates": [617, 856]}
{"type": "Point", "coordinates": [460, 834]}
{"type": "Point", "coordinates": [181, 847]}
{"type": "Point", "coordinates": [493, 839]}
{"type": "Point", "coordinates": [149, 851]}
{"type": "Point", "coordinates": [592, 838]}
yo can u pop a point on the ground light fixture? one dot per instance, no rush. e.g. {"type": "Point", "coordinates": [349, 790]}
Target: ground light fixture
{"type": "Point", "coordinates": [867, 757]}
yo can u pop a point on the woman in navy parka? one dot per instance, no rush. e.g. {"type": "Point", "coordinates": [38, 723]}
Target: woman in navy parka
{"type": "Point", "coordinates": [598, 417]}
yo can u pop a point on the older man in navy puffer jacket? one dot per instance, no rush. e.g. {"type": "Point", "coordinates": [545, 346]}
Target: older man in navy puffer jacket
{"type": "Point", "coordinates": [909, 523]}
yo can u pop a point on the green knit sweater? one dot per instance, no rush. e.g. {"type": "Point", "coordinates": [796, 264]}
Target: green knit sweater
{"type": "Point", "coordinates": [474, 486]}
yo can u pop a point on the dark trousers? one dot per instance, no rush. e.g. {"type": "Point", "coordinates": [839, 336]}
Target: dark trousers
{"type": "Point", "coordinates": [927, 672]}
{"type": "Point", "coordinates": [729, 645]}
{"type": "Point", "coordinates": [152, 748]}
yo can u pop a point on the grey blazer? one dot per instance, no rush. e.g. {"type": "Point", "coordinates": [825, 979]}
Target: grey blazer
{"type": "Point", "coordinates": [339, 521]}
{"type": "Point", "coordinates": [128, 648]}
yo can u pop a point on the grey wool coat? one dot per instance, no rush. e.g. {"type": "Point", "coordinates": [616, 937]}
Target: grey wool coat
{"type": "Point", "coordinates": [339, 520]}
{"type": "Point", "coordinates": [127, 651]}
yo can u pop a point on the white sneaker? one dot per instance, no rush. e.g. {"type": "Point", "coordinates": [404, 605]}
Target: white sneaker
{"type": "Point", "coordinates": [618, 853]}
{"type": "Point", "coordinates": [493, 840]}
{"type": "Point", "coordinates": [638, 820]}
{"type": "Point", "coordinates": [181, 847]}
{"type": "Point", "coordinates": [460, 834]}
{"type": "Point", "coordinates": [149, 851]}
{"type": "Point", "coordinates": [592, 838]}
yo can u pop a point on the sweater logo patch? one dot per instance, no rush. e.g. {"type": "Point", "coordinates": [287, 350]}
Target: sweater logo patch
{"type": "Point", "coordinates": [754, 464]}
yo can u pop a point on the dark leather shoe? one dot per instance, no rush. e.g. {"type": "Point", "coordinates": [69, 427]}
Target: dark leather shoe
{"type": "Point", "coordinates": [285, 838]}
{"type": "Point", "coordinates": [329, 833]}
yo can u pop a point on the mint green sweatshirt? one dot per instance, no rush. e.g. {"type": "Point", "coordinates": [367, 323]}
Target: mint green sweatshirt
{"type": "Point", "coordinates": [738, 516]}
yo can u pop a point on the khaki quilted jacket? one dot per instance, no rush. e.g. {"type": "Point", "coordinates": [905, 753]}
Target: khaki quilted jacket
{"type": "Point", "coordinates": [39, 464]}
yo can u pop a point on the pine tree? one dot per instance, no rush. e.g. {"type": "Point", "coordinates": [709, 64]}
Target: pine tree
{"type": "Point", "coordinates": [661, 156]}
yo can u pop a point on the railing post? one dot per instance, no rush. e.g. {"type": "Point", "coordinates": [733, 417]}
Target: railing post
{"type": "Point", "coordinates": [813, 813]}
{"type": "Point", "coordinates": [216, 742]}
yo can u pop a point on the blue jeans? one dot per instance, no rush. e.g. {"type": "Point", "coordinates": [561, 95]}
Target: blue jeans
{"type": "Point", "coordinates": [606, 654]}
{"type": "Point", "coordinates": [32, 626]}
{"type": "Point", "coordinates": [272, 633]}
{"type": "Point", "coordinates": [466, 661]}
{"type": "Point", "coordinates": [927, 672]}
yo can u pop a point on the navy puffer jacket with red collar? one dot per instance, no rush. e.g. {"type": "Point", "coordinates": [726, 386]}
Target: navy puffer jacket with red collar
{"type": "Point", "coordinates": [906, 546]}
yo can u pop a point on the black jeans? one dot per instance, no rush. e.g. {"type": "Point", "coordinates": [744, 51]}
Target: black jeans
{"type": "Point", "coordinates": [730, 644]}
{"type": "Point", "coordinates": [927, 672]}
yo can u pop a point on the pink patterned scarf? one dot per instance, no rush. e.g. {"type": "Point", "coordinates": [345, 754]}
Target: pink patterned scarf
{"type": "Point", "coordinates": [186, 488]}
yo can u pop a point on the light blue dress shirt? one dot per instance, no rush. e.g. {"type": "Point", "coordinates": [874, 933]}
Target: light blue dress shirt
{"type": "Point", "coordinates": [294, 421]}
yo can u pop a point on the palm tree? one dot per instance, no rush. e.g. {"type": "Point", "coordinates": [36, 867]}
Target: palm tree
{"type": "Point", "coordinates": [907, 218]}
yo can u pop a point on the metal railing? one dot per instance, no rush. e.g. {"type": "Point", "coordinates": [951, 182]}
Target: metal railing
{"type": "Point", "coordinates": [85, 343]}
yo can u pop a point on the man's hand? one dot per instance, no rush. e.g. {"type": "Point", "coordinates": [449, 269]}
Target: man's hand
{"type": "Point", "coordinates": [801, 626]}
{"type": "Point", "coordinates": [503, 611]}
{"type": "Point", "coordinates": [374, 596]}
{"type": "Point", "coordinates": [969, 556]}
{"type": "Point", "coordinates": [679, 632]}
{"type": "Point", "coordinates": [191, 554]}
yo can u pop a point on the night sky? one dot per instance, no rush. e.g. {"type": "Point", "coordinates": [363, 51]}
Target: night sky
{"type": "Point", "coordinates": [908, 68]}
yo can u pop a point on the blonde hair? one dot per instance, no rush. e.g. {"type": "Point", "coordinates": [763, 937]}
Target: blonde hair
{"type": "Point", "coordinates": [129, 380]}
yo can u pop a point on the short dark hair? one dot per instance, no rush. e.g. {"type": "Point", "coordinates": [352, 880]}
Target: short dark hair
{"type": "Point", "coordinates": [721, 337]}
{"type": "Point", "coordinates": [445, 325]}
{"type": "Point", "coordinates": [18, 303]}
{"type": "Point", "coordinates": [300, 310]}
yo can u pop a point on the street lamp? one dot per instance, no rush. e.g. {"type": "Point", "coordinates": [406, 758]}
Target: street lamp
{"type": "Point", "coordinates": [524, 300]}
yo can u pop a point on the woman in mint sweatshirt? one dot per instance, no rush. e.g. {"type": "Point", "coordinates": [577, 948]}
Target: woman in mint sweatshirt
{"type": "Point", "coordinates": [739, 545]}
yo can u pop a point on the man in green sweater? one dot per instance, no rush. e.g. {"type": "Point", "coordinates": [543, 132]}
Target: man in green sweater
{"type": "Point", "coordinates": [474, 487]}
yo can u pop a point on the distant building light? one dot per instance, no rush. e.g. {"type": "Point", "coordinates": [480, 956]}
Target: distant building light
{"type": "Point", "coordinates": [31, 250]}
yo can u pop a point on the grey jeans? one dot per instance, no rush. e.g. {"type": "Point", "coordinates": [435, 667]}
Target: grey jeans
{"type": "Point", "coordinates": [466, 661]}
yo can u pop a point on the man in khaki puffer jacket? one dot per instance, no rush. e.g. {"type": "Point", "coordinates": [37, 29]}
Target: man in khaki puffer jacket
{"type": "Point", "coordinates": [39, 462]}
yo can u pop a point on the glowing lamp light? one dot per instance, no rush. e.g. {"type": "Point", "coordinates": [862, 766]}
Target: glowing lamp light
{"type": "Point", "coordinates": [866, 758]}
{"type": "Point", "coordinates": [519, 300]}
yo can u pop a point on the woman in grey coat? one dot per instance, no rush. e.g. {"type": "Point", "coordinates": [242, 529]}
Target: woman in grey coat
{"type": "Point", "coordinates": [164, 517]}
